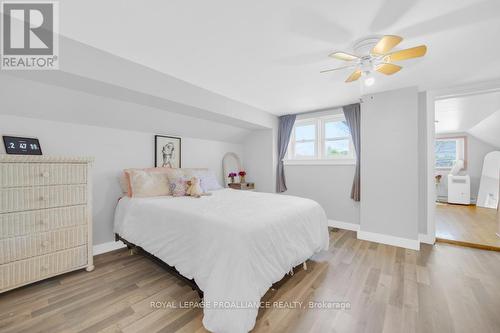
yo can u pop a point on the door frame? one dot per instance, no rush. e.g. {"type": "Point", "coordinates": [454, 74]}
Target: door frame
{"type": "Point", "coordinates": [432, 96]}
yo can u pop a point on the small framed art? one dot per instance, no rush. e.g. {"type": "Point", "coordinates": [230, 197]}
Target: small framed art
{"type": "Point", "coordinates": [167, 151]}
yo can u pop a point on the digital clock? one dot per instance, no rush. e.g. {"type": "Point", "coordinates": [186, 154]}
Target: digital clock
{"type": "Point", "coordinates": [21, 146]}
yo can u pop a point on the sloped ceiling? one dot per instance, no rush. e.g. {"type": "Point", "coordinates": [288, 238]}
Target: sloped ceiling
{"type": "Point", "coordinates": [124, 110]}
{"type": "Point", "coordinates": [488, 130]}
{"type": "Point", "coordinates": [114, 77]}
{"type": "Point", "coordinates": [478, 115]}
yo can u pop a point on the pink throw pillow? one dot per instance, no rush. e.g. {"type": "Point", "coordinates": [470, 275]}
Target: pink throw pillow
{"type": "Point", "coordinates": [127, 172]}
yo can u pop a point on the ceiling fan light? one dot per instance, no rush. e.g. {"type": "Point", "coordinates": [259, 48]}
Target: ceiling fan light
{"type": "Point", "coordinates": [369, 80]}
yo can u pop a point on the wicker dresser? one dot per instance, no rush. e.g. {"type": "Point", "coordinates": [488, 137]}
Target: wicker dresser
{"type": "Point", "coordinates": [45, 218]}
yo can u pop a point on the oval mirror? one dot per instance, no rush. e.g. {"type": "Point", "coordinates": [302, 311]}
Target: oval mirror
{"type": "Point", "coordinates": [230, 163]}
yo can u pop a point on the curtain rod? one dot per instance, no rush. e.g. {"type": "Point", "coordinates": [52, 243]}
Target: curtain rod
{"type": "Point", "coordinates": [327, 109]}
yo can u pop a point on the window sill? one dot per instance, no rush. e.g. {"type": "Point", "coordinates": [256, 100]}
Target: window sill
{"type": "Point", "coordinates": [320, 162]}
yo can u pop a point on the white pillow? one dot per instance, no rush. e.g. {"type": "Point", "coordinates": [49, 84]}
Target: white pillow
{"type": "Point", "coordinates": [148, 184]}
{"type": "Point", "coordinates": [208, 180]}
{"type": "Point", "coordinates": [209, 183]}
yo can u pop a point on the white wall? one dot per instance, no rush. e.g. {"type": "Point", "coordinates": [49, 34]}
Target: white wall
{"type": "Point", "coordinates": [329, 185]}
{"type": "Point", "coordinates": [260, 163]}
{"type": "Point", "coordinates": [476, 151]}
{"type": "Point", "coordinates": [422, 163]}
{"type": "Point", "coordinates": [113, 150]}
{"type": "Point", "coordinates": [389, 165]}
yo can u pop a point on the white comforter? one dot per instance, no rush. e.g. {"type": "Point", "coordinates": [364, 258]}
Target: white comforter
{"type": "Point", "coordinates": [235, 244]}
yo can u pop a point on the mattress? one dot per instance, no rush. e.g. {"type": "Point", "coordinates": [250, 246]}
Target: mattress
{"type": "Point", "coordinates": [235, 244]}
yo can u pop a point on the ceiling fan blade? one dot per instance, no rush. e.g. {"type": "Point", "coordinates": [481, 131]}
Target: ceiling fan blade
{"type": "Point", "coordinates": [385, 44]}
{"type": "Point", "coordinates": [414, 52]}
{"type": "Point", "coordinates": [354, 76]}
{"type": "Point", "coordinates": [388, 69]}
{"type": "Point", "coordinates": [337, 69]}
{"type": "Point", "coordinates": [343, 56]}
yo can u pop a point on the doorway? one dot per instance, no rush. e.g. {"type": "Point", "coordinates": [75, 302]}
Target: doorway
{"type": "Point", "coordinates": [465, 138]}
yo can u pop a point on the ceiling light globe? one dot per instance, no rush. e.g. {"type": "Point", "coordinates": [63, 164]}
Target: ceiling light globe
{"type": "Point", "coordinates": [369, 81]}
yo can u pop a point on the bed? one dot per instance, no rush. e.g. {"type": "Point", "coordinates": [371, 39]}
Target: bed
{"type": "Point", "coordinates": [233, 244]}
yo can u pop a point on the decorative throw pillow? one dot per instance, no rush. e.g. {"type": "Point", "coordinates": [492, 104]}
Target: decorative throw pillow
{"type": "Point", "coordinates": [148, 183]}
{"type": "Point", "coordinates": [178, 186]}
{"type": "Point", "coordinates": [178, 182]}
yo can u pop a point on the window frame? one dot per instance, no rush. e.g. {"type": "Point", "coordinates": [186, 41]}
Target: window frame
{"type": "Point", "coordinates": [461, 152]}
{"type": "Point", "coordinates": [324, 139]}
{"type": "Point", "coordinates": [291, 147]}
{"type": "Point", "coordinates": [320, 156]}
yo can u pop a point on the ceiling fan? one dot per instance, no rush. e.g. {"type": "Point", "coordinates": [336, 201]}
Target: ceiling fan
{"type": "Point", "coordinates": [373, 54]}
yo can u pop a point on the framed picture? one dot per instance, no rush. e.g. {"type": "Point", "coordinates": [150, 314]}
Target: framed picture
{"type": "Point", "coordinates": [167, 151]}
{"type": "Point", "coordinates": [21, 146]}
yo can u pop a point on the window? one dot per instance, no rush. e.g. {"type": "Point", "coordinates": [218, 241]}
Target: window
{"type": "Point", "coordinates": [321, 140]}
{"type": "Point", "coordinates": [448, 151]}
{"type": "Point", "coordinates": [337, 140]}
{"type": "Point", "coordinates": [305, 140]}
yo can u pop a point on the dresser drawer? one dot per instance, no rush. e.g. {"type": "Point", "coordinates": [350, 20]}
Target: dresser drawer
{"type": "Point", "coordinates": [17, 248]}
{"type": "Point", "coordinates": [36, 174]}
{"type": "Point", "coordinates": [29, 198]}
{"type": "Point", "coordinates": [33, 269]}
{"type": "Point", "coordinates": [34, 221]}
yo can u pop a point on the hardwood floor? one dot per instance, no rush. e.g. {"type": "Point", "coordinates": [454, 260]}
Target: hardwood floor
{"type": "Point", "coordinates": [442, 288]}
{"type": "Point", "coordinates": [469, 224]}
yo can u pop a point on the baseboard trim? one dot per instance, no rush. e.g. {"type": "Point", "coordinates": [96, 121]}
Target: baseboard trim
{"type": "Point", "coordinates": [444, 200]}
{"type": "Point", "coordinates": [107, 247]}
{"type": "Point", "coordinates": [427, 239]}
{"type": "Point", "coordinates": [468, 244]}
{"type": "Point", "coordinates": [343, 225]}
{"type": "Point", "coordinates": [412, 244]}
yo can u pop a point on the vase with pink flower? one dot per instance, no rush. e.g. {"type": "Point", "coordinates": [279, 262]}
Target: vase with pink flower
{"type": "Point", "coordinates": [231, 176]}
{"type": "Point", "coordinates": [242, 175]}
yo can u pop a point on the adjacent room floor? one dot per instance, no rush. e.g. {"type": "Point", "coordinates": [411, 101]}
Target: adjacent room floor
{"type": "Point", "coordinates": [469, 224]}
{"type": "Point", "coordinates": [443, 288]}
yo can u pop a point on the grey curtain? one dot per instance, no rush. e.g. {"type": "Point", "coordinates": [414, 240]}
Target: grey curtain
{"type": "Point", "coordinates": [352, 115]}
{"type": "Point", "coordinates": [284, 131]}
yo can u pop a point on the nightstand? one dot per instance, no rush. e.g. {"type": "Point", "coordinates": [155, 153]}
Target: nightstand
{"type": "Point", "coordinates": [242, 186]}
